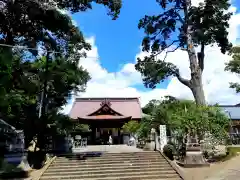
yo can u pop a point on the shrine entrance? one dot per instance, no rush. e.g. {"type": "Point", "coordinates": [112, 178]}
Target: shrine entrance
{"type": "Point", "coordinates": [105, 117]}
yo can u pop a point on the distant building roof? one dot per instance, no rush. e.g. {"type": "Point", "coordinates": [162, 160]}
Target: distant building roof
{"type": "Point", "coordinates": [127, 107]}
{"type": "Point", "coordinates": [232, 111]}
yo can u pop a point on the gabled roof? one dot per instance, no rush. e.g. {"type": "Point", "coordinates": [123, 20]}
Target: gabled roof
{"type": "Point", "coordinates": [127, 107]}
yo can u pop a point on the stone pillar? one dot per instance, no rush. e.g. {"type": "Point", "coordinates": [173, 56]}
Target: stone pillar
{"type": "Point", "coordinates": [153, 139]}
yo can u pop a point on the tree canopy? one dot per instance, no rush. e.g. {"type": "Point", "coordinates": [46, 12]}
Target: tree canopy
{"type": "Point", "coordinates": [182, 26]}
{"type": "Point", "coordinates": [234, 66]}
{"type": "Point", "coordinates": [131, 127]}
{"type": "Point", "coordinates": [40, 53]}
{"type": "Point", "coordinates": [182, 116]}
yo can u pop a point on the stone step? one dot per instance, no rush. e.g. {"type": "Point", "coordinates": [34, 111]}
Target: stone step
{"type": "Point", "coordinates": [133, 177]}
{"type": "Point", "coordinates": [107, 163]}
{"type": "Point", "coordinates": [144, 153]}
{"type": "Point", "coordinates": [153, 177]}
{"type": "Point", "coordinates": [80, 168]}
{"type": "Point", "coordinates": [157, 173]}
{"type": "Point", "coordinates": [110, 159]}
{"type": "Point", "coordinates": [120, 165]}
{"type": "Point", "coordinates": [108, 171]}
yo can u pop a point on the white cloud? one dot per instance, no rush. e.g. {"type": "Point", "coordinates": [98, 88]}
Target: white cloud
{"type": "Point", "coordinates": [119, 84]}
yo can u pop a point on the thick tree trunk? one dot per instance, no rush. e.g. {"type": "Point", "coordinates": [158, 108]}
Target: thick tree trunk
{"type": "Point", "coordinates": [194, 156]}
{"type": "Point", "coordinates": [197, 89]}
{"type": "Point", "coordinates": [196, 60]}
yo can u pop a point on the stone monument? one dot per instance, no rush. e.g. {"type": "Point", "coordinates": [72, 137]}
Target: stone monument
{"type": "Point", "coordinates": [194, 156]}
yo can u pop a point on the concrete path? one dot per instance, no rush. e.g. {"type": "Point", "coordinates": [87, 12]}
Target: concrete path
{"type": "Point", "coordinates": [228, 170]}
{"type": "Point", "coordinates": [107, 148]}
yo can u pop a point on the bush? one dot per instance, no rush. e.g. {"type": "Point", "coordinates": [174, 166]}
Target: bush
{"type": "Point", "coordinates": [169, 150]}
{"type": "Point", "coordinates": [36, 159]}
{"type": "Point", "coordinates": [205, 154]}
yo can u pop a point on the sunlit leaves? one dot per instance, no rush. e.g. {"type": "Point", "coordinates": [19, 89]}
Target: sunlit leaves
{"type": "Point", "coordinates": [154, 71]}
{"type": "Point", "coordinates": [131, 127]}
{"type": "Point", "coordinates": [234, 66]}
{"type": "Point", "coordinates": [208, 22]}
{"type": "Point", "coordinates": [183, 116]}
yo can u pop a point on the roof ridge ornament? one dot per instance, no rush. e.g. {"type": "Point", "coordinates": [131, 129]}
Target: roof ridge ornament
{"type": "Point", "coordinates": [106, 102]}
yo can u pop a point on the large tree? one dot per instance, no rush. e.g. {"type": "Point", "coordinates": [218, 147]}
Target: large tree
{"type": "Point", "coordinates": [26, 21]}
{"type": "Point", "coordinates": [234, 66]}
{"type": "Point", "coordinates": [182, 26]}
{"type": "Point", "coordinates": [41, 24]}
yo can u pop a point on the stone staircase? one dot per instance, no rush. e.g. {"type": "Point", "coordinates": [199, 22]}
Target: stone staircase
{"type": "Point", "coordinates": [144, 165]}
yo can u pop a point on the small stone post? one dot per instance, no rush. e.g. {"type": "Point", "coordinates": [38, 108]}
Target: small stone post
{"type": "Point", "coordinates": [153, 139]}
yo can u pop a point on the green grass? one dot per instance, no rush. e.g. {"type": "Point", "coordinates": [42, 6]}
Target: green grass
{"type": "Point", "coordinates": [232, 152]}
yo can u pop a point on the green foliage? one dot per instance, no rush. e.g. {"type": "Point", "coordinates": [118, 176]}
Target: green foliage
{"type": "Point", "coordinates": [148, 108]}
{"type": "Point", "coordinates": [145, 127]}
{"type": "Point", "coordinates": [186, 116]}
{"type": "Point", "coordinates": [234, 66]}
{"type": "Point", "coordinates": [231, 152]}
{"type": "Point", "coordinates": [37, 24]}
{"type": "Point", "coordinates": [131, 127]}
{"type": "Point", "coordinates": [30, 20]}
{"type": "Point", "coordinates": [180, 116]}
{"type": "Point", "coordinates": [81, 128]}
{"type": "Point", "coordinates": [61, 124]}
{"type": "Point", "coordinates": [169, 150]}
{"type": "Point", "coordinates": [113, 6]}
{"type": "Point", "coordinates": [182, 26]}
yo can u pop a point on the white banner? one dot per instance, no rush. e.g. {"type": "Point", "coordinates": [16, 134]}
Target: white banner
{"type": "Point", "coordinates": [163, 136]}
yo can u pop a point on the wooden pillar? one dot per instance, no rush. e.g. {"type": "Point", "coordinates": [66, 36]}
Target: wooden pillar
{"type": "Point", "coordinates": [93, 138]}
{"type": "Point", "coordinates": [119, 136]}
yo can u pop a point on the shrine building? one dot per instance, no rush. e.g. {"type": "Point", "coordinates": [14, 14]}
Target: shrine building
{"type": "Point", "coordinates": [233, 112]}
{"type": "Point", "coordinates": [106, 116]}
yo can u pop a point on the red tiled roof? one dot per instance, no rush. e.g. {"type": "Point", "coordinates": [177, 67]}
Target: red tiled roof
{"type": "Point", "coordinates": [127, 107]}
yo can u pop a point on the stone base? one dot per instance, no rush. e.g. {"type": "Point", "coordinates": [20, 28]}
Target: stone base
{"type": "Point", "coordinates": [194, 159]}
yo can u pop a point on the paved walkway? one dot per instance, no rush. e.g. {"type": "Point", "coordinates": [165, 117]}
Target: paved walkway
{"type": "Point", "coordinates": [107, 148]}
{"type": "Point", "coordinates": [229, 170]}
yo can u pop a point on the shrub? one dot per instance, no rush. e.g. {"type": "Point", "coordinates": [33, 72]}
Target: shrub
{"type": "Point", "coordinates": [205, 154]}
{"type": "Point", "coordinates": [168, 150]}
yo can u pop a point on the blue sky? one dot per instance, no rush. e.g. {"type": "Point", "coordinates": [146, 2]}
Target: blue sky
{"type": "Point", "coordinates": [117, 41]}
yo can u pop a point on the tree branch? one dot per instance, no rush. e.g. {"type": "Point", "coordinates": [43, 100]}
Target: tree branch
{"type": "Point", "coordinates": [170, 52]}
{"type": "Point", "coordinates": [154, 55]}
{"type": "Point", "coordinates": [180, 18]}
{"type": "Point", "coordinates": [184, 81]}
